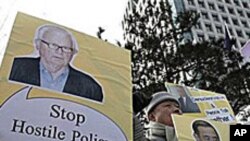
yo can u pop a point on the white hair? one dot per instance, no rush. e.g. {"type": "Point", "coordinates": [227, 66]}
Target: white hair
{"type": "Point", "coordinates": [44, 28]}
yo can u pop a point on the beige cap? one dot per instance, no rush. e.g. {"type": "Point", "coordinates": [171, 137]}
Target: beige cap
{"type": "Point", "coordinates": [159, 97]}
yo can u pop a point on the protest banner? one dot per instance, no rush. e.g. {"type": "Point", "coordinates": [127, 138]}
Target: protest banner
{"type": "Point", "coordinates": [201, 103]}
{"type": "Point", "coordinates": [90, 100]}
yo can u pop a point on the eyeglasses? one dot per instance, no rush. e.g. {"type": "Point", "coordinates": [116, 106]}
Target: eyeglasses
{"type": "Point", "coordinates": [56, 47]}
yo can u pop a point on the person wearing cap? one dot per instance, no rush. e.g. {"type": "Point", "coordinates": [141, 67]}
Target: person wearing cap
{"type": "Point", "coordinates": [159, 111]}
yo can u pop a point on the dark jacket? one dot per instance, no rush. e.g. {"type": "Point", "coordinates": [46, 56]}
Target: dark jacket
{"type": "Point", "coordinates": [26, 70]}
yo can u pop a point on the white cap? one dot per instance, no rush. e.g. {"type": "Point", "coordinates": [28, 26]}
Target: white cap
{"type": "Point", "coordinates": [159, 97]}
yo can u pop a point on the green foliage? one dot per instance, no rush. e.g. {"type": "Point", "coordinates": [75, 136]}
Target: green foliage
{"type": "Point", "coordinates": [160, 53]}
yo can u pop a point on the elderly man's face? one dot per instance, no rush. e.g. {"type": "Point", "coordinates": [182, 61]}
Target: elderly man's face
{"type": "Point", "coordinates": [54, 56]}
{"type": "Point", "coordinates": [162, 112]}
{"type": "Point", "coordinates": [206, 134]}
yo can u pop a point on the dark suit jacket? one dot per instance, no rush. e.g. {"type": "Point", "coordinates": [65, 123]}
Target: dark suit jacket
{"type": "Point", "coordinates": [190, 107]}
{"type": "Point", "coordinates": [26, 70]}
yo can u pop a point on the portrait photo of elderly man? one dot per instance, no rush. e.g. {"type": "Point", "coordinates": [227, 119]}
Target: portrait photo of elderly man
{"type": "Point", "coordinates": [52, 68]}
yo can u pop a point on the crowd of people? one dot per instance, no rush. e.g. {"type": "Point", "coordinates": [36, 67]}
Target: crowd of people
{"type": "Point", "coordinates": [156, 124]}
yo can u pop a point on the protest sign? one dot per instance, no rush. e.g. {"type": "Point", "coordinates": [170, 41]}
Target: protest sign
{"type": "Point", "coordinates": [91, 100]}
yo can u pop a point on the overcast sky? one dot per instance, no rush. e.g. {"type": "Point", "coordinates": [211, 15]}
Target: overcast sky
{"type": "Point", "coordinates": [82, 15]}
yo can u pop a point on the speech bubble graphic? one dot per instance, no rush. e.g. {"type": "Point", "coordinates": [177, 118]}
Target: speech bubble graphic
{"type": "Point", "coordinates": [50, 119]}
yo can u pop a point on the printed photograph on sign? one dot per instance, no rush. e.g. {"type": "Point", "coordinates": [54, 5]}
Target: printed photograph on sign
{"type": "Point", "coordinates": [188, 105]}
{"type": "Point", "coordinates": [51, 69]}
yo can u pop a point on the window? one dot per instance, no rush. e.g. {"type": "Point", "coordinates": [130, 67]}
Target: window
{"type": "Point", "coordinates": [235, 21]}
{"type": "Point", "coordinates": [204, 15]}
{"type": "Point", "coordinates": [211, 37]}
{"type": "Point", "coordinates": [239, 33]}
{"type": "Point", "coordinates": [211, 6]}
{"type": "Point", "coordinates": [231, 10]}
{"type": "Point", "coordinates": [244, 23]}
{"type": "Point", "coordinates": [208, 27]}
{"type": "Point", "coordinates": [198, 25]}
{"type": "Point", "coordinates": [240, 12]}
{"type": "Point", "coordinates": [245, 4]}
{"type": "Point", "coordinates": [219, 29]}
{"type": "Point", "coordinates": [242, 44]}
{"type": "Point", "coordinates": [236, 2]}
{"type": "Point", "coordinates": [225, 19]}
{"type": "Point", "coordinates": [228, 1]}
{"type": "Point", "coordinates": [231, 31]}
{"type": "Point", "coordinates": [191, 2]}
{"type": "Point", "coordinates": [215, 17]}
{"type": "Point", "coordinates": [200, 37]}
{"type": "Point", "coordinates": [248, 14]}
{"type": "Point", "coordinates": [221, 8]}
{"type": "Point", "coordinates": [201, 4]}
{"type": "Point", "coordinates": [248, 34]}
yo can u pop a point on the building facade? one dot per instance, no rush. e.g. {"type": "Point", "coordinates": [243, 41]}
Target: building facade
{"type": "Point", "coordinates": [214, 15]}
